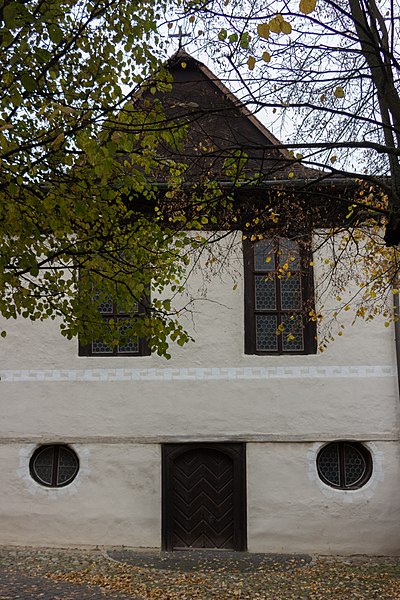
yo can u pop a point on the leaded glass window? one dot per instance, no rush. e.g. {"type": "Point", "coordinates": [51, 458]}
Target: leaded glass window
{"type": "Point", "coordinates": [54, 466]}
{"type": "Point", "coordinates": [112, 311]}
{"type": "Point", "coordinates": [116, 314]}
{"type": "Point", "coordinates": [344, 465]}
{"type": "Point", "coordinates": [278, 298]}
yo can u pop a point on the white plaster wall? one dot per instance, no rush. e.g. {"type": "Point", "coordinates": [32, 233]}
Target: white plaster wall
{"type": "Point", "coordinates": [291, 510]}
{"type": "Point", "coordinates": [305, 408]}
{"type": "Point", "coordinates": [217, 324]}
{"type": "Point", "coordinates": [119, 409]}
{"type": "Point", "coordinates": [208, 388]}
{"type": "Point", "coordinates": [115, 501]}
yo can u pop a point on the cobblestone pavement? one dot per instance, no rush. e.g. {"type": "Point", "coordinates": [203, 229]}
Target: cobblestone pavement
{"type": "Point", "coordinates": [16, 586]}
{"type": "Point", "coordinates": [208, 560]}
{"type": "Point", "coordinates": [128, 574]}
{"type": "Point", "coordinates": [24, 574]}
{"type": "Point", "coordinates": [30, 573]}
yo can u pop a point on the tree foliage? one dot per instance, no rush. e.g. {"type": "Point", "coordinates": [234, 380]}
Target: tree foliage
{"type": "Point", "coordinates": [77, 220]}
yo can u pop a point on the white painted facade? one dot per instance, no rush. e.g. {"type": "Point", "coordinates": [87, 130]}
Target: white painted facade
{"type": "Point", "coordinates": [116, 412]}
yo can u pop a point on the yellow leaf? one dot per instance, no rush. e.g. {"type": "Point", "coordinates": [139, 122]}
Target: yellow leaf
{"type": "Point", "coordinates": [307, 6]}
{"type": "Point", "coordinates": [286, 28]}
{"type": "Point", "coordinates": [373, 294]}
{"type": "Point", "coordinates": [183, 65]}
{"type": "Point", "coordinates": [291, 175]}
{"type": "Point", "coordinates": [251, 62]}
{"type": "Point", "coordinates": [266, 56]}
{"type": "Point", "coordinates": [339, 92]}
{"type": "Point", "coordinates": [263, 30]}
{"type": "Point", "coordinates": [275, 24]}
{"type": "Point", "coordinates": [387, 324]}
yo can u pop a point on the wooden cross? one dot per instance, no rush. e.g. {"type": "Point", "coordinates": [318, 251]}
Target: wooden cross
{"type": "Point", "coordinates": [179, 35]}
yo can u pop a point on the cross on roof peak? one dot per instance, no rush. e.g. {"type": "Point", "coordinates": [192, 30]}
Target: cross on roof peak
{"type": "Point", "coordinates": [180, 35]}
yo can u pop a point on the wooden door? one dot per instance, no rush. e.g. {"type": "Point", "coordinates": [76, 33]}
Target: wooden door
{"type": "Point", "coordinates": [204, 496]}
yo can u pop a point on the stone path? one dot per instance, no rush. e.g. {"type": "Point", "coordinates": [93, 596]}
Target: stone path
{"type": "Point", "coordinates": [208, 560]}
{"type": "Point", "coordinates": [24, 574]}
{"type": "Point", "coordinates": [17, 586]}
{"type": "Point", "coordinates": [135, 574]}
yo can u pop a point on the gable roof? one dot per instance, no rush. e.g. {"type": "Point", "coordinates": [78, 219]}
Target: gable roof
{"type": "Point", "coordinates": [220, 129]}
{"type": "Point", "coordinates": [182, 56]}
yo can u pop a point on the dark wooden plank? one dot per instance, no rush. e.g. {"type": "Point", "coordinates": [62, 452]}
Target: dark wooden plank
{"type": "Point", "coordinates": [204, 496]}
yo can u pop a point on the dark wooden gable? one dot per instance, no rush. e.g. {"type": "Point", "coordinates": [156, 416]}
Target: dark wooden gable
{"type": "Point", "coordinates": [219, 128]}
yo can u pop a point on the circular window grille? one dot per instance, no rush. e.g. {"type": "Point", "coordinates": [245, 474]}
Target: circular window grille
{"type": "Point", "coordinates": [344, 465]}
{"type": "Point", "coordinates": [54, 466]}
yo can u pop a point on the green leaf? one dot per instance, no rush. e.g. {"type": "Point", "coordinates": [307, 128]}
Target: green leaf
{"type": "Point", "coordinates": [28, 82]}
{"type": "Point", "coordinates": [55, 33]}
{"type": "Point", "coordinates": [244, 40]}
{"type": "Point", "coordinates": [222, 35]}
{"type": "Point", "coordinates": [16, 15]}
{"type": "Point", "coordinates": [34, 270]}
{"type": "Point", "coordinates": [10, 15]}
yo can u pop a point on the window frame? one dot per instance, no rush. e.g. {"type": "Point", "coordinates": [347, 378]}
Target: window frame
{"type": "Point", "coordinates": [341, 444]}
{"type": "Point", "coordinates": [144, 349]}
{"type": "Point", "coordinates": [307, 291]}
{"type": "Point", "coordinates": [56, 455]}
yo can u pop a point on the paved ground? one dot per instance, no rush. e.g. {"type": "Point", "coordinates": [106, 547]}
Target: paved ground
{"type": "Point", "coordinates": [207, 560]}
{"type": "Point", "coordinates": [25, 574]}
{"type": "Point", "coordinates": [28, 573]}
{"type": "Point", "coordinates": [16, 586]}
{"type": "Point", "coordinates": [127, 574]}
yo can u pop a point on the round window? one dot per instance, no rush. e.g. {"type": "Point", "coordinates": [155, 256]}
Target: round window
{"type": "Point", "coordinates": [344, 465]}
{"type": "Point", "coordinates": [54, 466]}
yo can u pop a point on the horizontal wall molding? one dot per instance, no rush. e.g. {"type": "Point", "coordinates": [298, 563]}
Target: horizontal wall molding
{"type": "Point", "coordinates": [197, 373]}
{"type": "Point", "coordinates": [200, 438]}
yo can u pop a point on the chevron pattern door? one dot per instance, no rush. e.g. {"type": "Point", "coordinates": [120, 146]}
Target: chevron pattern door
{"type": "Point", "coordinates": [203, 496]}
